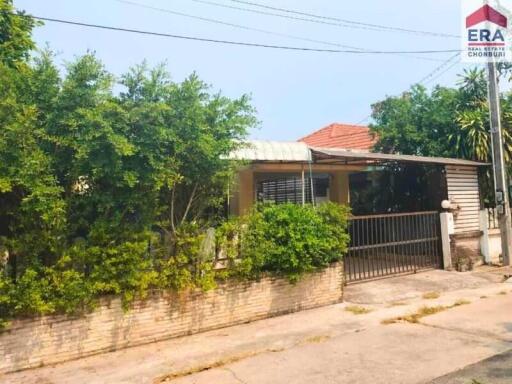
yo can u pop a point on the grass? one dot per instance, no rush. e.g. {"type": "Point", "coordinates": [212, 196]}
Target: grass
{"type": "Point", "coordinates": [315, 339]}
{"type": "Point", "coordinates": [431, 295]}
{"type": "Point", "coordinates": [415, 317]}
{"type": "Point", "coordinates": [397, 303]}
{"type": "Point", "coordinates": [460, 302]}
{"type": "Point", "coordinates": [357, 310]}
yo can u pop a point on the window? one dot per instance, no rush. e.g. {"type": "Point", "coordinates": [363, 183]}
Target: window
{"type": "Point", "coordinates": [288, 188]}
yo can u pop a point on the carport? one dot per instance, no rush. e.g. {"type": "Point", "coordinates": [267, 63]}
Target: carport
{"type": "Point", "coordinates": [407, 242]}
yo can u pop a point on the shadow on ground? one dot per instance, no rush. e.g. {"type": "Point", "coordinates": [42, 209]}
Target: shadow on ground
{"type": "Point", "coordinates": [495, 370]}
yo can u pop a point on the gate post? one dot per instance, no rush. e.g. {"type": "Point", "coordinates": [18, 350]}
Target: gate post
{"type": "Point", "coordinates": [446, 219]}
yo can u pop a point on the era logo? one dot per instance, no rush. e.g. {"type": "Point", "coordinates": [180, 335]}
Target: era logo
{"type": "Point", "coordinates": [485, 35]}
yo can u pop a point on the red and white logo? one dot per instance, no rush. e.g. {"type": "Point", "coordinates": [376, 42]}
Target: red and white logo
{"type": "Point", "coordinates": [485, 33]}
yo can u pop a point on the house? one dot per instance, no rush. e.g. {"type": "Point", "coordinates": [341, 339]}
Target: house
{"type": "Point", "coordinates": [404, 236]}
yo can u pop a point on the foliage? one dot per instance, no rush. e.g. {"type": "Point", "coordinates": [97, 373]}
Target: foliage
{"type": "Point", "coordinates": [99, 189]}
{"type": "Point", "coordinates": [191, 263]}
{"type": "Point", "coordinates": [451, 122]}
{"type": "Point", "coordinates": [112, 193]}
{"type": "Point", "coordinates": [287, 239]}
{"type": "Point", "coordinates": [15, 34]}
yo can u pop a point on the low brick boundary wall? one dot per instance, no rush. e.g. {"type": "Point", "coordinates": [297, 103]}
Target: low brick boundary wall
{"type": "Point", "coordinates": [53, 339]}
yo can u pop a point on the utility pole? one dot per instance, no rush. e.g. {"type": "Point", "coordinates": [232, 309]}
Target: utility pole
{"type": "Point", "coordinates": [499, 170]}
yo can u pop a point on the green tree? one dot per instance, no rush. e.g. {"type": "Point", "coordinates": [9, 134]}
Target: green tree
{"type": "Point", "coordinates": [15, 34]}
{"type": "Point", "coordinates": [450, 122]}
{"type": "Point", "coordinates": [90, 179]}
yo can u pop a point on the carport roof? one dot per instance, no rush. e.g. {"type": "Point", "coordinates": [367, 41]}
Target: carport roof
{"type": "Point", "coordinates": [346, 156]}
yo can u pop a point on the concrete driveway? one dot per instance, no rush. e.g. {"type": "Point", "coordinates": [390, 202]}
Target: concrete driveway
{"type": "Point", "coordinates": [327, 345]}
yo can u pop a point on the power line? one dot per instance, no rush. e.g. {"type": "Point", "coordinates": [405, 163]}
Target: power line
{"type": "Point", "coordinates": [323, 20]}
{"type": "Point", "coordinates": [442, 73]}
{"type": "Point", "coordinates": [244, 27]}
{"type": "Point", "coordinates": [429, 77]}
{"type": "Point", "coordinates": [385, 27]}
{"type": "Point", "coordinates": [231, 42]}
{"type": "Point", "coordinates": [216, 21]}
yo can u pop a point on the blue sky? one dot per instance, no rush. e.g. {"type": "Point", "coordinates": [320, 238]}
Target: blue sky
{"type": "Point", "coordinates": [294, 92]}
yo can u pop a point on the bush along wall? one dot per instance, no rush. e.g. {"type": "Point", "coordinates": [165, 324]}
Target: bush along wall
{"type": "Point", "coordinates": [285, 240]}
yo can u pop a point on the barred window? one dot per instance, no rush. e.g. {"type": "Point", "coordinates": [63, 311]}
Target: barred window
{"type": "Point", "coordinates": [288, 189]}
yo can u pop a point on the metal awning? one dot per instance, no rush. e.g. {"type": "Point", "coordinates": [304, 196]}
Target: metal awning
{"type": "Point", "coordinates": [346, 156]}
{"type": "Point", "coordinates": [265, 150]}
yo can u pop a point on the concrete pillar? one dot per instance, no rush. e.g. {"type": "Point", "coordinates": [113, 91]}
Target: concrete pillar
{"type": "Point", "coordinates": [246, 191]}
{"type": "Point", "coordinates": [446, 225]}
{"type": "Point", "coordinates": [339, 191]}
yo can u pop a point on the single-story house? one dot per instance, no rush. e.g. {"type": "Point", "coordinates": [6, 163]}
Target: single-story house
{"type": "Point", "coordinates": [300, 173]}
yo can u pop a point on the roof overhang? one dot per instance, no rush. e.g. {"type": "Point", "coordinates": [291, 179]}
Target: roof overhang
{"type": "Point", "coordinates": [299, 152]}
{"type": "Point", "coordinates": [346, 156]}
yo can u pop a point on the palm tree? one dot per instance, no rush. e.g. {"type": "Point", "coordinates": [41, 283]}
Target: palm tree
{"type": "Point", "coordinates": [472, 139]}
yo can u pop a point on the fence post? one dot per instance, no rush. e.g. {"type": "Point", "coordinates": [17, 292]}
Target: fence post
{"type": "Point", "coordinates": [484, 240]}
{"type": "Point", "coordinates": [446, 219]}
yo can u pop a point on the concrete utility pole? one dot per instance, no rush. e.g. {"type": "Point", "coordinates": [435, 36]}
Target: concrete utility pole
{"type": "Point", "coordinates": [500, 173]}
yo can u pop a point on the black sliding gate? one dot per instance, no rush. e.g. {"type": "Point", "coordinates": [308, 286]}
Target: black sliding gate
{"type": "Point", "coordinates": [392, 244]}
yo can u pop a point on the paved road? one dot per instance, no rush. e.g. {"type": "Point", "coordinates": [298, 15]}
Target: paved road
{"type": "Point", "coordinates": [324, 345]}
{"type": "Point", "coordinates": [398, 353]}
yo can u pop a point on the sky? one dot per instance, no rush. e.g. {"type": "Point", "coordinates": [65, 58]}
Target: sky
{"type": "Point", "coordinates": [294, 92]}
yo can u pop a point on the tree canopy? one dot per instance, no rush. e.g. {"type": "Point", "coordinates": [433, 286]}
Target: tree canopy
{"type": "Point", "coordinates": [449, 122]}
{"type": "Point", "coordinates": [99, 174]}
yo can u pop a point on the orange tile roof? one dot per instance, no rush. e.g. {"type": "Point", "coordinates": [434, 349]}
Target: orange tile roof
{"type": "Point", "coordinates": [341, 136]}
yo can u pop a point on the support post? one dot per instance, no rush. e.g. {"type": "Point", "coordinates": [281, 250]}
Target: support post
{"type": "Point", "coordinates": [500, 185]}
{"type": "Point", "coordinates": [445, 218]}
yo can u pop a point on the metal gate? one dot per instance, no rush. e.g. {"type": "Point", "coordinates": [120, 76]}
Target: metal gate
{"type": "Point", "coordinates": [391, 244]}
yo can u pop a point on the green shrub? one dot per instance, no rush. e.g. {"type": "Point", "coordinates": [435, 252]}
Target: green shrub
{"type": "Point", "coordinates": [188, 264]}
{"type": "Point", "coordinates": [286, 239]}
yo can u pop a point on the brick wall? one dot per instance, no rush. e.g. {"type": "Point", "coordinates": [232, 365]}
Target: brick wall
{"type": "Point", "coordinates": [53, 339]}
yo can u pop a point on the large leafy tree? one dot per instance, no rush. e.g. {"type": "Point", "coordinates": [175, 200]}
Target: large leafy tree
{"type": "Point", "coordinates": [450, 122]}
{"type": "Point", "coordinates": [90, 178]}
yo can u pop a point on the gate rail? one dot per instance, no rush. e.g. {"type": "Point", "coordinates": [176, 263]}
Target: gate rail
{"type": "Point", "coordinates": [390, 244]}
